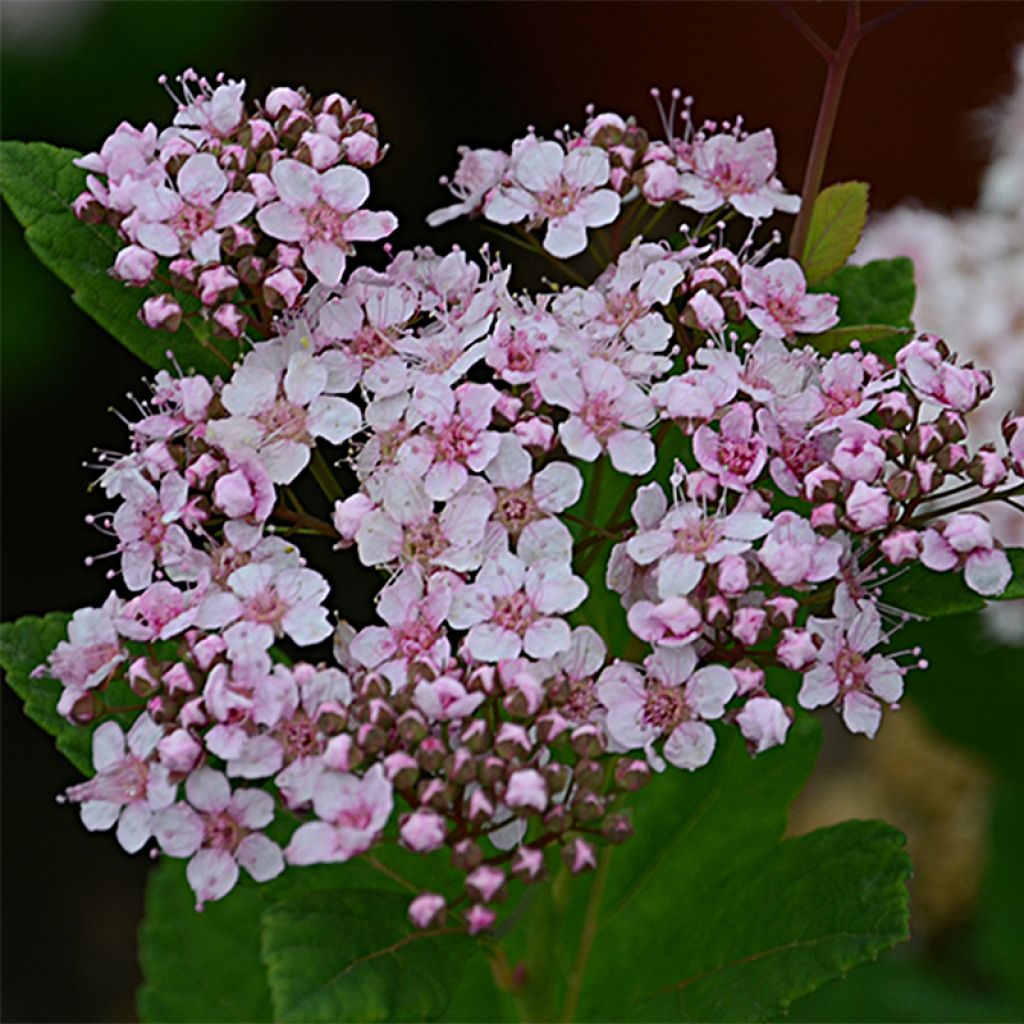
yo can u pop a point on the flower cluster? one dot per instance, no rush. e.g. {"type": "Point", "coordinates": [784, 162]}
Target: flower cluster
{"type": "Point", "coordinates": [664, 436]}
{"type": "Point", "coordinates": [967, 271]}
{"type": "Point", "coordinates": [579, 181]}
{"type": "Point", "coordinates": [236, 209]}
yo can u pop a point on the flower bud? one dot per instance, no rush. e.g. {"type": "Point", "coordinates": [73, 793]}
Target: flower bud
{"type": "Point", "coordinates": [588, 774]}
{"type": "Point", "coordinates": [587, 806]}
{"type": "Point", "coordinates": [587, 740]}
{"type": "Point", "coordinates": [617, 828]}
{"type": "Point", "coordinates": [135, 265]}
{"type": "Point", "coordinates": [579, 855]}
{"type": "Point", "coordinates": [466, 855]}
{"type": "Point", "coordinates": [632, 774]}
{"type": "Point", "coordinates": [427, 910]}
{"type": "Point", "coordinates": [430, 754]}
{"type": "Point", "coordinates": [161, 313]}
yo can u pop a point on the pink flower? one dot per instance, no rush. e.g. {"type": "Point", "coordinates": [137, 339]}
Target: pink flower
{"type": "Point", "coordinates": [353, 811]}
{"type": "Point", "coordinates": [935, 378]}
{"type": "Point", "coordinates": [516, 604]}
{"type": "Point", "coordinates": [128, 787]}
{"type": "Point", "coordinates": [91, 652]}
{"type": "Point", "coordinates": [220, 834]}
{"type": "Point", "coordinates": [457, 440]}
{"type": "Point", "coordinates": [478, 172]}
{"type": "Point", "coordinates": [608, 413]}
{"type": "Point", "coordinates": [780, 305]}
{"type": "Point", "coordinates": [793, 553]}
{"type": "Point", "coordinates": [843, 673]}
{"type": "Point", "coordinates": [526, 788]}
{"type": "Point", "coordinates": [673, 622]}
{"type": "Point", "coordinates": [967, 540]}
{"type": "Point", "coordinates": [190, 219]}
{"type": "Point", "coordinates": [736, 455]}
{"type": "Point", "coordinates": [543, 183]}
{"type": "Point", "coordinates": [414, 611]}
{"type": "Point", "coordinates": [670, 700]}
{"type": "Point", "coordinates": [686, 540]}
{"type": "Point", "coordinates": [287, 600]}
{"type": "Point", "coordinates": [739, 173]}
{"type": "Point", "coordinates": [867, 507]}
{"type": "Point", "coordinates": [279, 403]}
{"type": "Point", "coordinates": [321, 212]}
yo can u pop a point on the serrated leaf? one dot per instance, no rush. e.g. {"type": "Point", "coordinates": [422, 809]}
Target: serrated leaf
{"type": "Point", "coordinates": [837, 222]}
{"type": "Point", "coordinates": [872, 297]}
{"type": "Point", "coordinates": [201, 967]}
{"type": "Point", "coordinates": [776, 929]}
{"type": "Point", "coordinates": [932, 594]}
{"type": "Point", "coordinates": [24, 645]}
{"type": "Point", "coordinates": [681, 907]}
{"type": "Point", "coordinates": [879, 292]}
{"type": "Point", "coordinates": [352, 956]}
{"type": "Point", "coordinates": [39, 183]}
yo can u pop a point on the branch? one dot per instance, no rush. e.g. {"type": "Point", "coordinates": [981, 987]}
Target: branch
{"type": "Point", "coordinates": [812, 37]}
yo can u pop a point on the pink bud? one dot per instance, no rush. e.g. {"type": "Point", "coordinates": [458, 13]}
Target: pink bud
{"type": "Point", "coordinates": [135, 265]}
{"type": "Point", "coordinates": [423, 831]}
{"type": "Point", "coordinates": [282, 289]}
{"type": "Point", "coordinates": [479, 919]}
{"type": "Point", "coordinates": [427, 910]}
{"type": "Point", "coordinates": [526, 789]}
{"type": "Point", "coordinates": [161, 313]}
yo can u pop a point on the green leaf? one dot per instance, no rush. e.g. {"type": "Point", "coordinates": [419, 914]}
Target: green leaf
{"type": "Point", "coordinates": [871, 336]}
{"type": "Point", "coordinates": [837, 221]}
{"type": "Point", "coordinates": [352, 956]}
{"type": "Point", "coordinates": [745, 947]}
{"type": "Point", "coordinates": [201, 967]}
{"type": "Point", "coordinates": [704, 914]}
{"type": "Point", "coordinates": [932, 594]}
{"type": "Point", "coordinates": [877, 294]}
{"type": "Point", "coordinates": [25, 645]}
{"type": "Point", "coordinates": [721, 921]}
{"type": "Point", "coordinates": [40, 182]}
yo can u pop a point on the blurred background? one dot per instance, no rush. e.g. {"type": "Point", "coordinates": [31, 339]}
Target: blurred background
{"type": "Point", "coordinates": [438, 75]}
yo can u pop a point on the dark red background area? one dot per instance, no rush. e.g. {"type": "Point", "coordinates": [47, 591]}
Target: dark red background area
{"type": "Point", "coordinates": [436, 75]}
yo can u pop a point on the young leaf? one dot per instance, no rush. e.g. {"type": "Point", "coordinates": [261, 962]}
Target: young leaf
{"type": "Point", "coordinates": [838, 219]}
{"type": "Point", "coordinates": [24, 645]}
{"type": "Point", "coordinates": [39, 182]}
{"type": "Point", "coordinates": [201, 967]}
{"type": "Point", "coordinates": [353, 956]}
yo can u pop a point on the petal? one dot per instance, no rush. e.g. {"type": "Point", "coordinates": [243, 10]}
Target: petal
{"type": "Point", "coordinates": [281, 221]}
{"type": "Point", "coordinates": [200, 180]}
{"type": "Point", "coordinates": [690, 746]}
{"type": "Point", "coordinates": [208, 790]}
{"type": "Point", "coordinates": [345, 188]}
{"type": "Point", "coordinates": [212, 874]}
{"type": "Point", "coordinates": [261, 857]}
{"type": "Point", "coordinates": [297, 183]}
{"type": "Point", "coordinates": [325, 260]}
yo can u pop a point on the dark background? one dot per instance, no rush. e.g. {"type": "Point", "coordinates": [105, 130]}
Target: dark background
{"type": "Point", "coordinates": [436, 75]}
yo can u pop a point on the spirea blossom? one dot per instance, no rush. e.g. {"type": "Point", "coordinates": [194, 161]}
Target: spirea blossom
{"type": "Point", "coordinates": [662, 434]}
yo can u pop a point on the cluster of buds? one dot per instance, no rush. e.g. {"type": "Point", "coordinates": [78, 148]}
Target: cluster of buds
{"type": "Point", "coordinates": [234, 209]}
{"type": "Point", "coordinates": [482, 427]}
